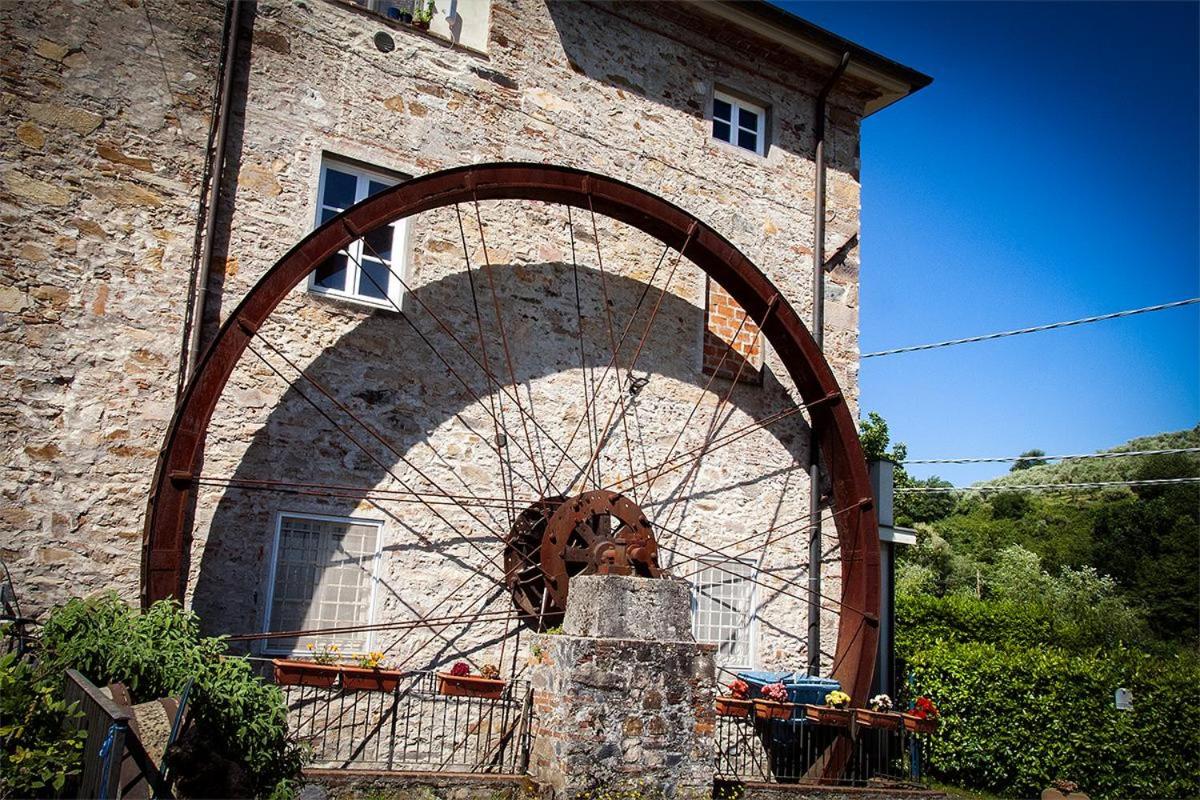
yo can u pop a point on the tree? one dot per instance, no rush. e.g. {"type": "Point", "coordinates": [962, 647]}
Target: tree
{"type": "Point", "coordinates": [1030, 458]}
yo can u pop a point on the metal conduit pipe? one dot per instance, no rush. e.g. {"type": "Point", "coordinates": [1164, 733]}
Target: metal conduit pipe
{"type": "Point", "coordinates": [818, 333]}
{"type": "Point", "coordinates": [216, 172]}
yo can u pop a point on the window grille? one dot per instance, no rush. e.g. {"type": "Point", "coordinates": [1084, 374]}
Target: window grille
{"type": "Point", "coordinates": [323, 576]}
{"type": "Point", "coordinates": [723, 611]}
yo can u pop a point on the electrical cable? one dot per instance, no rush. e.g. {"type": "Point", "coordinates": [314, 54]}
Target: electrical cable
{"type": "Point", "coordinates": [1035, 329]}
{"type": "Point", "coordinates": [1163, 452]}
{"type": "Point", "coordinates": [1042, 486]}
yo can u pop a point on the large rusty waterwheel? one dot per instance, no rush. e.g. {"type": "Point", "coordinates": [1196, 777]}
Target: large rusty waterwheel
{"type": "Point", "coordinates": [590, 521]}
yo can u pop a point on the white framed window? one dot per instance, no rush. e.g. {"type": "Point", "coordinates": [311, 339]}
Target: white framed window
{"type": "Point", "coordinates": [739, 123]}
{"type": "Point", "coordinates": [723, 610]}
{"type": "Point", "coordinates": [369, 270]}
{"type": "Point", "coordinates": [322, 576]}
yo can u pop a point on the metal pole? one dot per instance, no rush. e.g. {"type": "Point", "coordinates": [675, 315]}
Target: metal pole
{"type": "Point", "coordinates": [818, 333]}
{"type": "Point", "coordinates": [196, 323]}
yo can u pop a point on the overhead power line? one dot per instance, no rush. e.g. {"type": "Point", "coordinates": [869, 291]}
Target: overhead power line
{"type": "Point", "coordinates": [1036, 329]}
{"type": "Point", "coordinates": [1164, 452]}
{"type": "Point", "coordinates": [1034, 487]}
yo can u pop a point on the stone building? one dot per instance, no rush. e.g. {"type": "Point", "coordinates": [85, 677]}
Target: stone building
{"type": "Point", "coordinates": [120, 233]}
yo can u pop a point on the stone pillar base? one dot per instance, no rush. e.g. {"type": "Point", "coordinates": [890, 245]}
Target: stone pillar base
{"type": "Point", "coordinates": [617, 711]}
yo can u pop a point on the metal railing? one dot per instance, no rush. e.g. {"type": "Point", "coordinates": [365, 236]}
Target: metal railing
{"type": "Point", "coordinates": [793, 750]}
{"type": "Point", "coordinates": [107, 726]}
{"type": "Point", "coordinates": [413, 728]}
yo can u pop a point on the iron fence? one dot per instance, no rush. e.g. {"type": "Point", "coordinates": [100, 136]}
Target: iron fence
{"type": "Point", "coordinates": [413, 727]}
{"type": "Point", "coordinates": [793, 751]}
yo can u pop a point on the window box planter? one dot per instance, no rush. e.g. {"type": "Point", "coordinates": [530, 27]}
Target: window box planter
{"type": "Point", "coordinates": [361, 679]}
{"type": "Point", "coordinates": [769, 709]}
{"type": "Point", "coordinates": [824, 715]}
{"type": "Point", "coordinates": [305, 673]}
{"type": "Point", "coordinates": [470, 686]}
{"type": "Point", "coordinates": [883, 720]}
{"type": "Point", "coordinates": [917, 724]}
{"type": "Point", "coordinates": [733, 707]}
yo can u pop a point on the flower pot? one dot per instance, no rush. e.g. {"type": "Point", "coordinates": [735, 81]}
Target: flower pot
{"type": "Point", "coordinates": [733, 707]}
{"type": "Point", "coordinates": [305, 673]}
{"type": "Point", "coordinates": [919, 724]}
{"type": "Point", "coordinates": [470, 686]}
{"type": "Point", "coordinates": [826, 715]}
{"type": "Point", "coordinates": [769, 709]}
{"type": "Point", "coordinates": [421, 24]}
{"type": "Point", "coordinates": [363, 679]}
{"type": "Point", "coordinates": [883, 720]}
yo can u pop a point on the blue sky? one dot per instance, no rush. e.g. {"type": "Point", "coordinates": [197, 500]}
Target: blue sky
{"type": "Point", "coordinates": [1050, 172]}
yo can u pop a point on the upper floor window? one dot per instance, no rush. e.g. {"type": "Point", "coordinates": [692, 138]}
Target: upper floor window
{"type": "Point", "coordinates": [369, 270]}
{"type": "Point", "coordinates": [322, 577]}
{"type": "Point", "coordinates": [739, 122]}
{"type": "Point", "coordinates": [723, 610]}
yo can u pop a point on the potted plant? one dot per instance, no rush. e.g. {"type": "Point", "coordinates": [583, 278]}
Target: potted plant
{"type": "Point", "coordinates": [459, 682]}
{"type": "Point", "coordinates": [422, 14]}
{"type": "Point", "coordinates": [878, 714]}
{"type": "Point", "coordinates": [922, 717]}
{"type": "Point", "coordinates": [370, 675]}
{"type": "Point", "coordinates": [322, 672]}
{"type": "Point", "coordinates": [737, 703]}
{"type": "Point", "coordinates": [836, 710]}
{"type": "Point", "coordinates": [772, 703]}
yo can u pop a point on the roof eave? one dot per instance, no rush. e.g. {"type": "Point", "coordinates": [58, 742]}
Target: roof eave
{"type": "Point", "coordinates": [893, 80]}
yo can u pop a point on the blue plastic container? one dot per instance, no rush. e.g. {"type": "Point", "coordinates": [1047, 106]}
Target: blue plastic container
{"type": "Point", "coordinates": [801, 688]}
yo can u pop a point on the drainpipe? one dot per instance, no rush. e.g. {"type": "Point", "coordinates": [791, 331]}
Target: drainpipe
{"type": "Point", "coordinates": [216, 173]}
{"type": "Point", "coordinates": [818, 332]}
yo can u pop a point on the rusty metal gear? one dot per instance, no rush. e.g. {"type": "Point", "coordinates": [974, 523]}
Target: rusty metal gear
{"type": "Point", "coordinates": [522, 566]}
{"type": "Point", "coordinates": [596, 532]}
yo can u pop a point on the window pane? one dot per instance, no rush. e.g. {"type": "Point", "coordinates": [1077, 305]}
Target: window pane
{"type": "Point", "coordinates": [722, 110]}
{"type": "Point", "coordinates": [721, 131]}
{"type": "Point", "coordinates": [374, 280]}
{"type": "Point", "coordinates": [375, 187]}
{"type": "Point", "coordinates": [328, 214]}
{"type": "Point", "coordinates": [378, 243]}
{"type": "Point", "coordinates": [747, 119]}
{"type": "Point", "coordinates": [332, 274]}
{"type": "Point", "coordinates": [339, 189]}
{"type": "Point", "coordinates": [748, 140]}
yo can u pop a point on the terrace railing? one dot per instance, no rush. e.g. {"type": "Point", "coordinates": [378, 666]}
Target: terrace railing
{"type": "Point", "coordinates": [413, 728]}
{"type": "Point", "coordinates": [791, 751]}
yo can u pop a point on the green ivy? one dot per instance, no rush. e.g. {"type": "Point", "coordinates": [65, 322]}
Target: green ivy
{"type": "Point", "coordinates": [155, 653]}
{"type": "Point", "coordinates": [1015, 718]}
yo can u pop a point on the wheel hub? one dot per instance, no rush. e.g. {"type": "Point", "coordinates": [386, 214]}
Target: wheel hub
{"type": "Point", "coordinates": [556, 539]}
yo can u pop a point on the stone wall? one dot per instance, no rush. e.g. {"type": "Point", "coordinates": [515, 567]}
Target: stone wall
{"type": "Point", "coordinates": [622, 89]}
{"type": "Point", "coordinates": [105, 119]}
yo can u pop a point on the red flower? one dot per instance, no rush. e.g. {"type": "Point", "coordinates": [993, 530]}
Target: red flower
{"type": "Point", "coordinates": [775, 692]}
{"type": "Point", "coordinates": [925, 709]}
{"type": "Point", "coordinates": [460, 669]}
{"type": "Point", "coordinates": [739, 688]}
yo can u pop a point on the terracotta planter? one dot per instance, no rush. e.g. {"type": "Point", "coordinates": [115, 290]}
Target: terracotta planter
{"type": "Point", "coordinates": [769, 709]}
{"type": "Point", "coordinates": [825, 715]}
{"type": "Point", "coordinates": [733, 707]}
{"type": "Point", "coordinates": [305, 673]}
{"type": "Point", "coordinates": [420, 24]}
{"type": "Point", "coordinates": [919, 724]}
{"type": "Point", "coordinates": [361, 679]}
{"type": "Point", "coordinates": [470, 686]}
{"type": "Point", "coordinates": [883, 720]}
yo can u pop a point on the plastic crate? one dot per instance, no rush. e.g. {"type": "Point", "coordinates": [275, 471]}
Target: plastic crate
{"type": "Point", "coordinates": [801, 688]}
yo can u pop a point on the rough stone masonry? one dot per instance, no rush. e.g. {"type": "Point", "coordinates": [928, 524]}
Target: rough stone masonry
{"type": "Point", "coordinates": [624, 695]}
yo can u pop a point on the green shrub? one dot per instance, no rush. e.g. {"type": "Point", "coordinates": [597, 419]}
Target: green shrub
{"type": "Point", "coordinates": [155, 654]}
{"type": "Point", "coordinates": [38, 755]}
{"type": "Point", "coordinates": [1015, 718]}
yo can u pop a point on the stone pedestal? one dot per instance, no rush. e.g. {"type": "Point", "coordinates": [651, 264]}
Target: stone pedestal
{"type": "Point", "coordinates": [624, 696]}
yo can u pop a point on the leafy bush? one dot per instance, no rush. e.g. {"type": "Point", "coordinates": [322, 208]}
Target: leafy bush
{"type": "Point", "coordinates": [38, 755]}
{"type": "Point", "coordinates": [155, 654]}
{"type": "Point", "coordinates": [1015, 718]}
